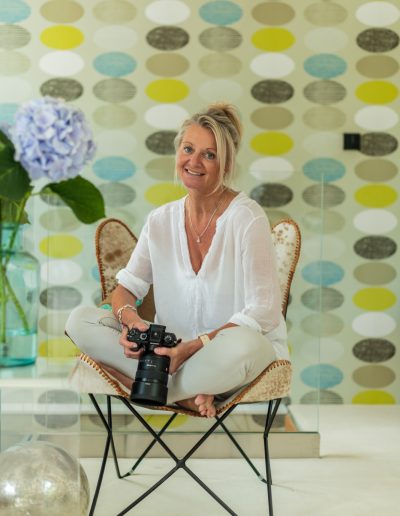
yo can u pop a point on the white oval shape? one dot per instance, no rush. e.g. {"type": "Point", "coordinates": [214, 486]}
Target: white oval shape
{"type": "Point", "coordinates": [211, 91]}
{"type": "Point", "coordinates": [60, 272]}
{"type": "Point", "coordinates": [167, 12]}
{"type": "Point", "coordinates": [271, 169]}
{"type": "Point", "coordinates": [14, 90]}
{"type": "Point", "coordinates": [325, 350]}
{"type": "Point", "coordinates": [324, 144]}
{"type": "Point", "coordinates": [375, 221]}
{"type": "Point", "coordinates": [63, 63]}
{"type": "Point", "coordinates": [326, 39]}
{"type": "Point", "coordinates": [115, 143]}
{"type": "Point", "coordinates": [376, 118]}
{"type": "Point", "coordinates": [272, 64]}
{"type": "Point", "coordinates": [374, 324]}
{"type": "Point", "coordinates": [166, 116]}
{"type": "Point", "coordinates": [318, 248]}
{"type": "Point", "coordinates": [115, 37]}
{"type": "Point", "coordinates": [378, 14]}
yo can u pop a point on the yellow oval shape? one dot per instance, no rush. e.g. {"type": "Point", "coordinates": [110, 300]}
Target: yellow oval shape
{"type": "Point", "coordinates": [377, 92]}
{"type": "Point", "coordinates": [376, 195]}
{"type": "Point", "coordinates": [58, 348]}
{"type": "Point", "coordinates": [159, 421]}
{"type": "Point", "coordinates": [272, 143]}
{"type": "Point", "coordinates": [374, 299]}
{"type": "Point", "coordinates": [162, 193]}
{"type": "Point", "coordinates": [60, 246]}
{"type": "Point", "coordinates": [167, 90]}
{"type": "Point", "coordinates": [374, 398]}
{"type": "Point", "coordinates": [272, 39]}
{"type": "Point", "coordinates": [62, 37]}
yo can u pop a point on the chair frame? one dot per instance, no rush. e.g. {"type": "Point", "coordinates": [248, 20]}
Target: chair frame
{"type": "Point", "coordinates": [222, 413]}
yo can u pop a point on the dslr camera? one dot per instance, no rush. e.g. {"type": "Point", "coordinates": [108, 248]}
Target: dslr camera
{"type": "Point", "coordinates": [150, 385]}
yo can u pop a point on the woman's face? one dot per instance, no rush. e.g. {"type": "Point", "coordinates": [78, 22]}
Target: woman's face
{"type": "Point", "coordinates": [196, 159]}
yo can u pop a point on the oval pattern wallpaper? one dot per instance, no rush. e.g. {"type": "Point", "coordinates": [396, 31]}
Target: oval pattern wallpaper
{"type": "Point", "coordinates": [304, 74]}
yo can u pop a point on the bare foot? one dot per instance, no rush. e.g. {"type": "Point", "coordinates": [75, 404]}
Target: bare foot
{"type": "Point", "coordinates": [202, 403]}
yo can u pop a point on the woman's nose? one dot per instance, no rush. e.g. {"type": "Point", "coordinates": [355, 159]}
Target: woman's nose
{"type": "Point", "coordinates": [195, 158]}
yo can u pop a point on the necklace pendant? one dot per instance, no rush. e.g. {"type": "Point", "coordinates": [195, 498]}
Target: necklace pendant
{"type": "Point", "coordinates": [198, 240]}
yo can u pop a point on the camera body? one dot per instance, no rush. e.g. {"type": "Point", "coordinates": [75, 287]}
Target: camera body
{"type": "Point", "coordinates": [150, 385]}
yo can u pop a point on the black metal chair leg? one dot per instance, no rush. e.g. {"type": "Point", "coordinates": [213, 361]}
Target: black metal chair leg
{"type": "Point", "coordinates": [273, 406]}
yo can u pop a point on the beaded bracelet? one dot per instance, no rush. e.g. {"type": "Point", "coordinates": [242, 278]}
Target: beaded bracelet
{"type": "Point", "coordinates": [121, 309]}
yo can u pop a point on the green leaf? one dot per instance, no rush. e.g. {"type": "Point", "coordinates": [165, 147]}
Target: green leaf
{"type": "Point", "coordinates": [84, 199]}
{"type": "Point", "coordinates": [15, 183]}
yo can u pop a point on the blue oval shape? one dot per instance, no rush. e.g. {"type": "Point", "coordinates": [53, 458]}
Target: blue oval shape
{"type": "Point", "coordinates": [324, 170]}
{"type": "Point", "coordinates": [325, 66]}
{"type": "Point", "coordinates": [13, 11]}
{"type": "Point", "coordinates": [114, 64]}
{"type": "Point", "coordinates": [321, 376]}
{"type": "Point", "coordinates": [221, 12]}
{"type": "Point", "coordinates": [7, 112]}
{"type": "Point", "coordinates": [322, 273]}
{"type": "Point", "coordinates": [95, 273]}
{"type": "Point", "coordinates": [114, 168]}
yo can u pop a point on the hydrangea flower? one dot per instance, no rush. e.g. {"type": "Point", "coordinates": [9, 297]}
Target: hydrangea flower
{"type": "Point", "coordinates": [52, 139]}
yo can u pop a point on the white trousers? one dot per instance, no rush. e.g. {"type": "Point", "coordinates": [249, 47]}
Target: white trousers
{"type": "Point", "coordinates": [233, 358]}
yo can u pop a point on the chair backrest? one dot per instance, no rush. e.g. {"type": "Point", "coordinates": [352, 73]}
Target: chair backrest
{"type": "Point", "coordinates": [115, 243]}
{"type": "Point", "coordinates": [286, 237]}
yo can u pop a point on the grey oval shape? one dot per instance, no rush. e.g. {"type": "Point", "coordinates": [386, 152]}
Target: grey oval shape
{"type": "Point", "coordinates": [58, 396]}
{"type": "Point", "coordinates": [378, 144]}
{"type": "Point", "coordinates": [220, 39]}
{"type": "Point", "coordinates": [114, 90]}
{"type": "Point", "coordinates": [377, 66]}
{"type": "Point", "coordinates": [321, 396]}
{"type": "Point", "coordinates": [273, 13]}
{"type": "Point", "coordinates": [167, 38]}
{"type": "Point", "coordinates": [377, 40]}
{"type": "Point", "coordinates": [117, 194]}
{"type": "Point", "coordinates": [374, 350]}
{"type": "Point", "coordinates": [375, 273]}
{"type": "Point", "coordinates": [161, 169]}
{"type": "Point", "coordinates": [167, 64]}
{"type": "Point", "coordinates": [60, 297]}
{"type": "Point", "coordinates": [13, 36]}
{"type": "Point", "coordinates": [272, 117]}
{"type": "Point", "coordinates": [323, 299]}
{"type": "Point", "coordinates": [272, 195]}
{"type": "Point", "coordinates": [375, 247]}
{"type": "Point", "coordinates": [272, 91]}
{"type": "Point", "coordinates": [374, 376]}
{"type": "Point", "coordinates": [376, 170]}
{"type": "Point", "coordinates": [161, 142]}
{"type": "Point", "coordinates": [325, 195]}
{"type": "Point", "coordinates": [325, 92]}
{"type": "Point", "coordinates": [67, 89]}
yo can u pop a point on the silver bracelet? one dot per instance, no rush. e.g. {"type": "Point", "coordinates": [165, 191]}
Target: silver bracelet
{"type": "Point", "coordinates": [121, 309]}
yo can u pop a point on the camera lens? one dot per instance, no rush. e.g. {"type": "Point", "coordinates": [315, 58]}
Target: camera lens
{"type": "Point", "coordinates": [150, 385]}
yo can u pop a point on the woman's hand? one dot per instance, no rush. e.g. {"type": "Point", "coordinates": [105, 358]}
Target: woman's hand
{"type": "Point", "coordinates": [179, 354]}
{"type": "Point", "coordinates": [129, 347]}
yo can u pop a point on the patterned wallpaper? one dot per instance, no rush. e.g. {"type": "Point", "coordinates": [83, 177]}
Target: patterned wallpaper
{"type": "Point", "coordinates": [303, 73]}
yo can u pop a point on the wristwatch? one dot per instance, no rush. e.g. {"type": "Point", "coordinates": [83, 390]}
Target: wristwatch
{"type": "Point", "coordinates": [205, 339]}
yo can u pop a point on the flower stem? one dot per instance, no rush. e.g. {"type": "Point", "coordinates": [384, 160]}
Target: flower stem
{"type": "Point", "coordinates": [6, 291]}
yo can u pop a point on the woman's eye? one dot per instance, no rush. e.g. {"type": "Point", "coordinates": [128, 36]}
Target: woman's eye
{"type": "Point", "coordinates": [209, 155]}
{"type": "Point", "coordinates": [187, 149]}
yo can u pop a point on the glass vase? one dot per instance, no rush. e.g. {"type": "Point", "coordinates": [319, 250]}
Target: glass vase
{"type": "Point", "coordinates": [19, 299]}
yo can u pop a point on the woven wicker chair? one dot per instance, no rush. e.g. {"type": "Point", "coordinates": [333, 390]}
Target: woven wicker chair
{"type": "Point", "coordinates": [114, 245]}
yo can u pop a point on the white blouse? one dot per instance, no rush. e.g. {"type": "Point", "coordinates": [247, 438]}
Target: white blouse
{"type": "Point", "coordinates": [237, 281]}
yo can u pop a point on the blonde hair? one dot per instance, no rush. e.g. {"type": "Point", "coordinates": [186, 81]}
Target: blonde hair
{"type": "Point", "coordinates": [223, 121]}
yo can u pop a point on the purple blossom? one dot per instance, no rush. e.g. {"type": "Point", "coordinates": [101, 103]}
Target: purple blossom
{"type": "Point", "coordinates": [52, 139]}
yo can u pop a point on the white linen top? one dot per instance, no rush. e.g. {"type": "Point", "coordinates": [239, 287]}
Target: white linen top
{"type": "Point", "coordinates": [237, 281]}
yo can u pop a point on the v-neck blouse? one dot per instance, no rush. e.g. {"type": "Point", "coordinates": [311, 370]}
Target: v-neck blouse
{"type": "Point", "coordinates": [237, 281]}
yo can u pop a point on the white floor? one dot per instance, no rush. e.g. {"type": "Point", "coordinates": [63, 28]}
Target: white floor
{"type": "Point", "coordinates": [358, 474]}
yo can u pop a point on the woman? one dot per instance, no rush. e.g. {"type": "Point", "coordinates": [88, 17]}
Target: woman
{"type": "Point", "coordinates": [211, 261]}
